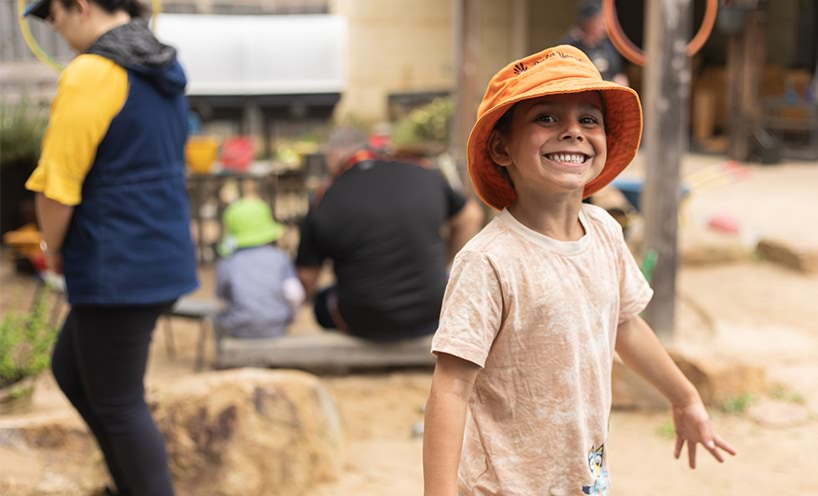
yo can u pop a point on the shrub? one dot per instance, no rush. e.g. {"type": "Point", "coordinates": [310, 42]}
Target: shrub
{"type": "Point", "coordinates": [25, 342]}
{"type": "Point", "coordinates": [429, 124]}
{"type": "Point", "coordinates": [21, 130]}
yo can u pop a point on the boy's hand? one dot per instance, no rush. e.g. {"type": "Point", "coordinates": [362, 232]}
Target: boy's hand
{"type": "Point", "coordinates": [693, 426]}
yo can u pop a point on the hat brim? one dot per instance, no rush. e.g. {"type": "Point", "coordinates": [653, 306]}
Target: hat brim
{"type": "Point", "coordinates": [623, 127]}
{"type": "Point", "coordinates": [39, 8]}
{"type": "Point", "coordinates": [257, 238]}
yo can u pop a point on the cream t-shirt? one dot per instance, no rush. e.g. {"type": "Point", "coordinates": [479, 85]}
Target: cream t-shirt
{"type": "Point", "coordinates": [540, 316]}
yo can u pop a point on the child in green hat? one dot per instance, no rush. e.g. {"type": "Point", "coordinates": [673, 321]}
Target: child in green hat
{"type": "Point", "coordinates": [255, 278]}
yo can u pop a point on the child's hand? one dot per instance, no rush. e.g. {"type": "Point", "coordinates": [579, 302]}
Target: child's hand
{"type": "Point", "coordinates": [693, 426]}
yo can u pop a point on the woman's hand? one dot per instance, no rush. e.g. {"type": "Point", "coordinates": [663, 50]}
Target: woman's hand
{"type": "Point", "coordinates": [54, 261]}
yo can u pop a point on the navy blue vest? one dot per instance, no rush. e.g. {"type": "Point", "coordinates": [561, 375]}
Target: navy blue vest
{"type": "Point", "coordinates": [129, 240]}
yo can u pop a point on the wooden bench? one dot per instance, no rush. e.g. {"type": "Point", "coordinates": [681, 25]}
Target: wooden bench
{"type": "Point", "coordinates": [323, 351]}
{"type": "Point", "coordinates": [315, 350]}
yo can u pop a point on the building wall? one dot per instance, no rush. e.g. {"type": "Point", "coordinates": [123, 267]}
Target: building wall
{"type": "Point", "coordinates": [394, 46]}
{"type": "Point", "coordinates": [549, 21]}
{"type": "Point", "coordinates": [400, 46]}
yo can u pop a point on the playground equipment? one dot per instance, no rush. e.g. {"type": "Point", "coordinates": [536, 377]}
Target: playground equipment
{"type": "Point", "coordinates": [633, 53]}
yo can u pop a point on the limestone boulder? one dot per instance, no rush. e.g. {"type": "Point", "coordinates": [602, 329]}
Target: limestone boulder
{"type": "Point", "coordinates": [799, 256]}
{"type": "Point", "coordinates": [250, 431]}
{"type": "Point", "coordinates": [239, 432]}
{"type": "Point", "coordinates": [48, 454]}
{"type": "Point", "coordinates": [718, 379]}
{"type": "Point", "coordinates": [699, 245]}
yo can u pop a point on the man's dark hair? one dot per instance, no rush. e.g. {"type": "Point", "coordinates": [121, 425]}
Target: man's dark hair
{"type": "Point", "coordinates": [588, 9]}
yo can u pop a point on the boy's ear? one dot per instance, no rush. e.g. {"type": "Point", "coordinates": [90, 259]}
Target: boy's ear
{"type": "Point", "coordinates": [497, 149]}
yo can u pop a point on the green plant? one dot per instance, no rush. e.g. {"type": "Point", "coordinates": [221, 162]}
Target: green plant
{"type": "Point", "coordinates": [781, 392]}
{"type": "Point", "coordinates": [430, 123]}
{"type": "Point", "coordinates": [22, 125]}
{"type": "Point", "coordinates": [738, 404]}
{"type": "Point", "coordinates": [25, 342]}
{"type": "Point", "coordinates": [667, 430]}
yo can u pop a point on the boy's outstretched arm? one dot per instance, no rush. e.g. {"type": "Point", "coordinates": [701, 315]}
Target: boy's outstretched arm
{"type": "Point", "coordinates": [445, 421]}
{"type": "Point", "coordinates": [639, 348]}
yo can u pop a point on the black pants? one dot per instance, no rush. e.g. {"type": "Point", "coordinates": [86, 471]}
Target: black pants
{"type": "Point", "coordinates": [99, 363]}
{"type": "Point", "coordinates": [366, 324]}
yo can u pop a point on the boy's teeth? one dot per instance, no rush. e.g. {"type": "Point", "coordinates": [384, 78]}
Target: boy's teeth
{"type": "Point", "coordinates": [567, 157]}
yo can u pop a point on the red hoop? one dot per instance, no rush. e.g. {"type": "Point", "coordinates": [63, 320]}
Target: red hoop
{"type": "Point", "coordinates": [633, 53]}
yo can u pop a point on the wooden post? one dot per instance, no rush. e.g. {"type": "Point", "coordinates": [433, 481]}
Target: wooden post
{"type": "Point", "coordinates": [665, 97]}
{"type": "Point", "coordinates": [466, 62]}
{"type": "Point", "coordinates": [746, 57]}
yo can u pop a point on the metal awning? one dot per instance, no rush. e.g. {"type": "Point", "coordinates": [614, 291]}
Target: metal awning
{"type": "Point", "coordinates": [258, 55]}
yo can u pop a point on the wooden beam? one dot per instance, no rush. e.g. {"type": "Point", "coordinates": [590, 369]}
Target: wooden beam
{"type": "Point", "coordinates": [666, 95]}
{"type": "Point", "coordinates": [746, 58]}
{"type": "Point", "coordinates": [322, 351]}
{"type": "Point", "coordinates": [466, 30]}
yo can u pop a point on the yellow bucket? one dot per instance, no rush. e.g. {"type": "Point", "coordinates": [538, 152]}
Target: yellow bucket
{"type": "Point", "coordinates": [200, 153]}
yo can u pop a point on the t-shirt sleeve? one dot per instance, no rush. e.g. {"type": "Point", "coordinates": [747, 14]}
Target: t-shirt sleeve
{"type": "Point", "coordinates": [309, 252]}
{"type": "Point", "coordinates": [634, 290]}
{"type": "Point", "coordinates": [472, 310]}
{"type": "Point", "coordinates": [90, 93]}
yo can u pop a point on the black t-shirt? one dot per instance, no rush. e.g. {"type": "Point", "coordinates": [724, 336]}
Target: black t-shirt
{"type": "Point", "coordinates": [604, 56]}
{"type": "Point", "coordinates": [380, 223]}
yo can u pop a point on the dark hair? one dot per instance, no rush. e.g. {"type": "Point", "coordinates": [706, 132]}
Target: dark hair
{"type": "Point", "coordinates": [133, 7]}
{"type": "Point", "coordinates": [587, 10]}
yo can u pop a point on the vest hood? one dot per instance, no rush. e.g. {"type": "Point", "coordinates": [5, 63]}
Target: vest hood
{"type": "Point", "coordinates": [134, 47]}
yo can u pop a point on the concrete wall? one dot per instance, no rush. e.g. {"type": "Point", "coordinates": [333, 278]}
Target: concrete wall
{"type": "Point", "coordinates": [408, 46]}
{"type": "Point", "coordinates": [394, 46]}
{"type": "Point", "coordinates": [549, 21]}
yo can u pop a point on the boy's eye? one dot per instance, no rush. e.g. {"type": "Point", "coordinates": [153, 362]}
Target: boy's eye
{"type": "Point", "coordinates": [546, 118]}
{"type": "Point", "coordinates": [588, 119]}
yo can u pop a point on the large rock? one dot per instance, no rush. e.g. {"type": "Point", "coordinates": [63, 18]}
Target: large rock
{"type": "Point", "coordinates": [718, 379]}
{"type": "Point", "coordinates": [802, 257]}
{"type": "Point", "coordinates": [250, 431]}
{"type": "Point", "coordinates": [699, 245]}
{"type": "Point", "coordinates": [247, 431]}
{"type": "Point", "coordinates": [48, 454]}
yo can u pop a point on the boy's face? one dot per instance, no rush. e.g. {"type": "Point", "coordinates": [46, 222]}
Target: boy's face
{"type": "Point", "coordinates": [556, 144]}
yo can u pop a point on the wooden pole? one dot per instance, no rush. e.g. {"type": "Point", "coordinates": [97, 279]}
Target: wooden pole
{"type": "Point", "coordinates": [466, 62]}
{"type": "Point", "coordinates": [666, 96]}
{"type": "Point", "coordinates": [746, 57]}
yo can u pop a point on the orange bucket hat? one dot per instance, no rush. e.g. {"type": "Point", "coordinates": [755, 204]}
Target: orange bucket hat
{"type": "Point", "coordinates": [557, 70]}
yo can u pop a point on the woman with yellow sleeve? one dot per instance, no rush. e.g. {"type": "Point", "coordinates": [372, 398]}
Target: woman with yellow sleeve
{"type": "Point", "coordinates": [112, 206]}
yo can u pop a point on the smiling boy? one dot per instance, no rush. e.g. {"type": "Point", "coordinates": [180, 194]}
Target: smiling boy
{"type": "Point", "coordinates": [540, 299]}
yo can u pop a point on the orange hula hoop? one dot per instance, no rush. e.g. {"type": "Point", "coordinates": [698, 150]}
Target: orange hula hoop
{"type": "Point", "coordinates": [633, 53]}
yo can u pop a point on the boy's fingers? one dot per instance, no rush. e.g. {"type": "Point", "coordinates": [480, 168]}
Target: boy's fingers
{"type": "Point", "coordinates": [680, 442]}
{"type": "Point", "coordinates": [691, 454]}
{"type": "Point", "coordinates": [716, 454]}
{"type": "Point", "coordinates": [721, 443]}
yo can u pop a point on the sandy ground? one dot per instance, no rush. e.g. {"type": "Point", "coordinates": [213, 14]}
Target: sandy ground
{"type": "Point", "coordinates": [754, 311]}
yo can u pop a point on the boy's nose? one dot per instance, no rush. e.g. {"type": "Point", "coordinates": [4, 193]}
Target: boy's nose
{"type": "Point", "coordinates": [572, 131]}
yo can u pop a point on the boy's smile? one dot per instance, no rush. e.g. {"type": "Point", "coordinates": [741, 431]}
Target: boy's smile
{"type": "Point", "coordinates": [555, 144]}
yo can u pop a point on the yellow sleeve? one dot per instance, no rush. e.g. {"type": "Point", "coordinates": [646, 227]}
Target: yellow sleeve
{"type": "Point", "coordinates": [90, 93]}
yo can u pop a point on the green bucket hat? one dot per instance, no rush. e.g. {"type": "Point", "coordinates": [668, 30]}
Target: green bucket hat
{"type": "Point", "coordinates": [248, 222]}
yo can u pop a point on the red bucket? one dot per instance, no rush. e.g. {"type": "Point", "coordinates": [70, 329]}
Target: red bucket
{"type": "Point", "coordinates": [237, 153]}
